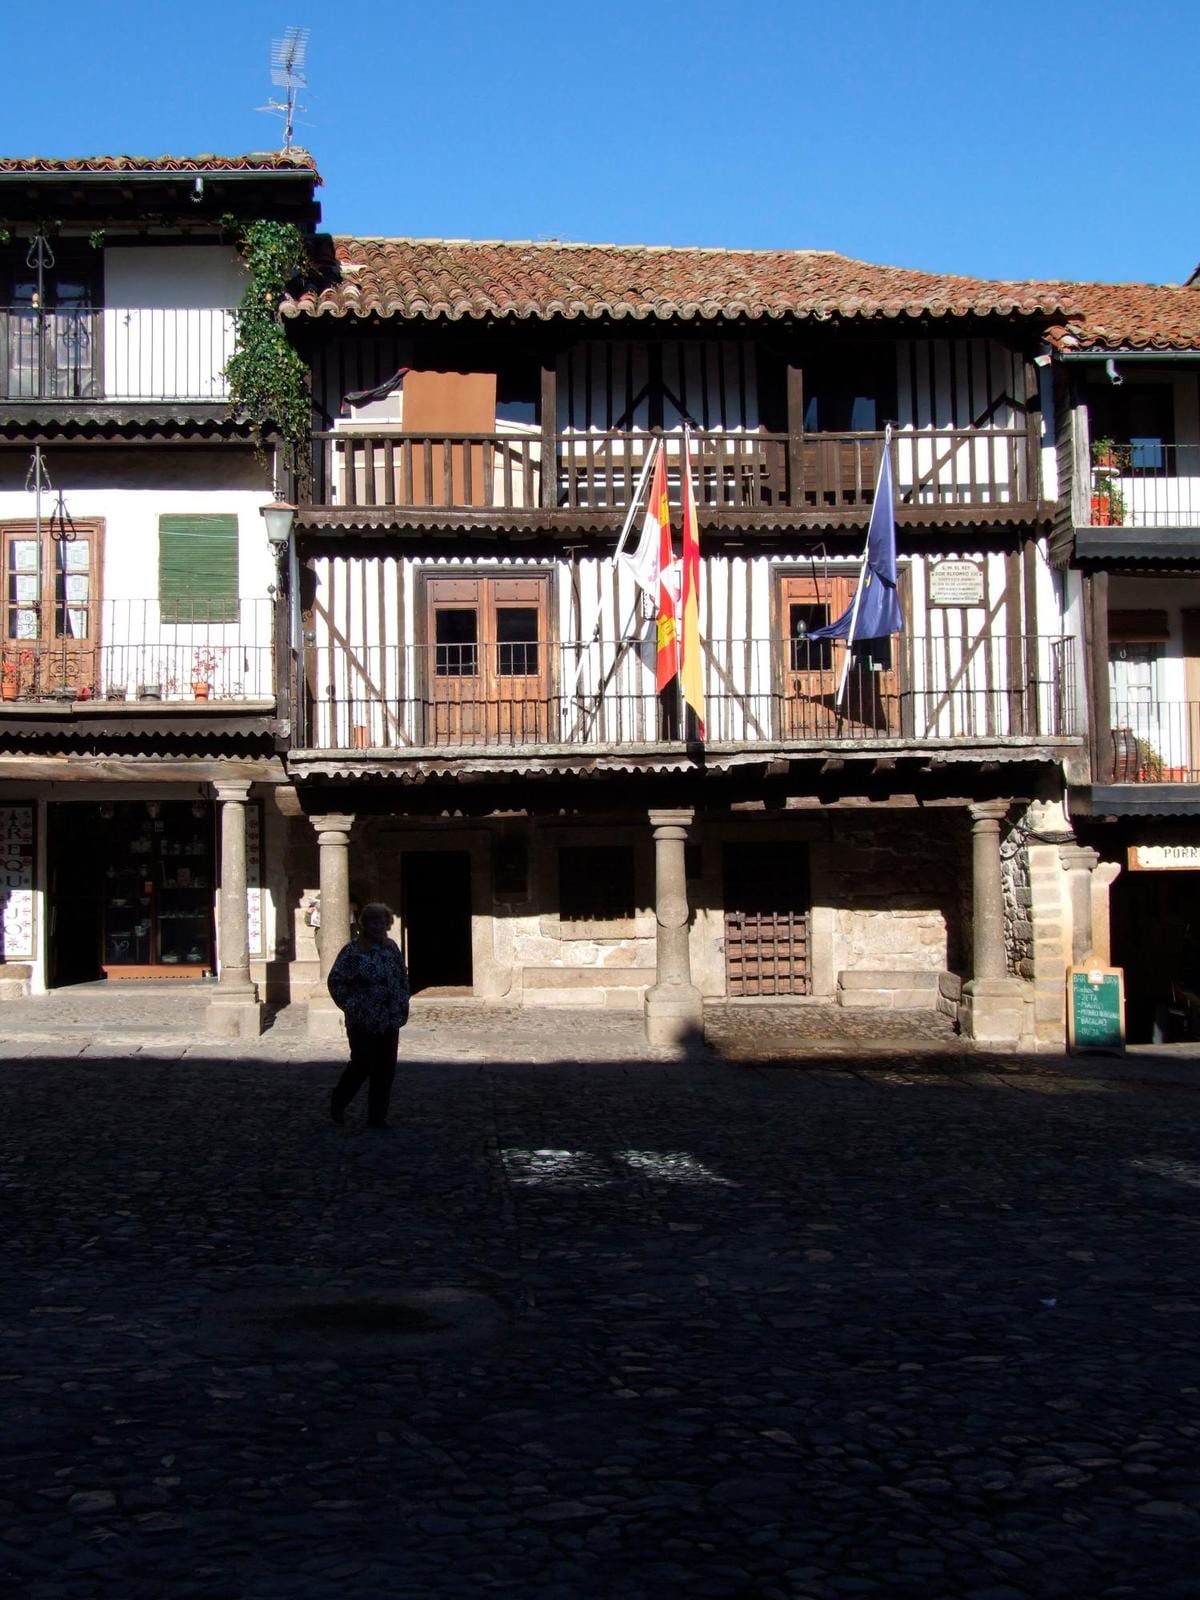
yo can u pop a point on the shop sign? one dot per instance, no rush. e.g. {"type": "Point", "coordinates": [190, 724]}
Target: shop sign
{"type": "Point", "coordinates": [956, 583]}
{"type": "Point", "coordinates": [16, 881]}
{"type": "Point", "coordinates": [1164, 858]}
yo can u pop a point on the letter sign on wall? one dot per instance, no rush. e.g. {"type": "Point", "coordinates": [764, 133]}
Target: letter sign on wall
{"type": "Point", "coordinates": [16, 881]}
{"type": "Point", "coordinates": [956, 583]}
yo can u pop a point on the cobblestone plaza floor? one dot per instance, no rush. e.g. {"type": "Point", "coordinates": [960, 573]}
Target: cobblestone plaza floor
{"type": "Point", "coordinates": [770, 1323]}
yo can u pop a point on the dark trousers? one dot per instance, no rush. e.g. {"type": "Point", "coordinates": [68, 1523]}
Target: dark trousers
{"type": "Point", "coordinates": [373, 1062]}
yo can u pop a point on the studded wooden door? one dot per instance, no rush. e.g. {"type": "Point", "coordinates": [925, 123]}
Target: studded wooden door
{"type": "Point", "coordinates": [767, 920]}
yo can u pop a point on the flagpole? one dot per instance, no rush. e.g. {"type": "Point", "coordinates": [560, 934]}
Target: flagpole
{"type": "Point", "coordinates": [594, 632]}
{"type": "Point", "coordinates": [887, 445]}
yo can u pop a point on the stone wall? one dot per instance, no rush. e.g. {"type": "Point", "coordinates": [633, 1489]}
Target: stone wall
{"type": "Point", "coordinates": [1018, 902]}
{"type": "Point", "coordinates": [893, 885]}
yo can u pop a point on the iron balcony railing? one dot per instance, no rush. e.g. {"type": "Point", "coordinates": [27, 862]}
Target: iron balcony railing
{"type": "Point", "coordinates": [360, 696]}
{"type": "Point", "coordinates": [1155, 741]}
{"type": "Point", "coordinates": [140, 650]}
{"type": "Point", "coordinates": [1147, 485]}
{"type": "Point", "coordinates": [599, 472]}
{"type": "Point", "coordinates": [117, 354]}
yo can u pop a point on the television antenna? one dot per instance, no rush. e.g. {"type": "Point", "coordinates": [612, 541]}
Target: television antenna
{"type": "Point", "coordinates": [287, 73]}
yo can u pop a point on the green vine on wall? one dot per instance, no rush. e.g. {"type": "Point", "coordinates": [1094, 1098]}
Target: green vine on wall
{"type": "Point", "coordinates": [267, 378]}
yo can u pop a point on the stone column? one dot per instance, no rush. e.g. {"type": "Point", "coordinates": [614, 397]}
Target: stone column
{"type": "Point", "coordinates": [333, 838]}
{"type": "Point", "coordinates": [674, 1012]}
{"type": "Point", "coordinates": [234, 1010]}
{"type": "Point", "coordinates": [1103, 878]}
{"type": "Point", "coordinates": [996, 1010]}
{"type": "Point", "coordinates": [1079, 862]}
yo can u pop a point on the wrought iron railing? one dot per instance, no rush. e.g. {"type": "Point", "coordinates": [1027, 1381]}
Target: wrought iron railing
{"type": "Point", "coordinates": [127, 650]}
{"type": "Point", "coordinates": [1146, 485]}
{"type": "Point", "coordinates": [599, 472]}
{"type": "Point", "coordinates": [361, 696]}
{"type": "Point", "coordinates": [1155, 741]}
{"type": "Point", "coordinates": [118, 354]}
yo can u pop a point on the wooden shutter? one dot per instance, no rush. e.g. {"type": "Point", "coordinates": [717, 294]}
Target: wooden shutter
{"type": "Point", "coordinates": [198, 567]}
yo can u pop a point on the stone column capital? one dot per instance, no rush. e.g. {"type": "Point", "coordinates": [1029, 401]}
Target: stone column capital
{"type": "Point", "coordinates": [1078, 857]}
{"type": "Point", "coordinates": [988, 814]}
{"type": "Point", "coordinates": [679, 820]}
{"type": "Point", "coordinates": [333, 827]}
{"type": "Point", "coordinates": [232, 789]}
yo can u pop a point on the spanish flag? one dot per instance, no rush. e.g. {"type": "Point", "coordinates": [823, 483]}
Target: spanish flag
{"type": "Point", "coordinates": [668, 578]}
{"type": "Point", "coordinates": [692, 670]}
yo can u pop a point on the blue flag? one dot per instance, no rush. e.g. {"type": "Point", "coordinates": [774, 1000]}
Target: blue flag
{"type": "Point", "coordinates": [874, 613]}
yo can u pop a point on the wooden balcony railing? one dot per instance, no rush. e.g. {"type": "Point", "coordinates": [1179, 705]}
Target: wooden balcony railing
{"type": "Point", "coordinates": [495, 694]}
{"type": "Point", "coordinates": [142, 650]}
{"type": "Point", "coordinates": [598, 472]}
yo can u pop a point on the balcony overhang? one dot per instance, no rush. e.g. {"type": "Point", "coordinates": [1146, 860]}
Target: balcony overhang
{"type": "Point", "coordinates": [1136, 800]}
{"type": "Point", "coordinates": [89, 421]}
{"type": "Point", "coordinates": [740, 522]}
{"type": "Point", "coordinates": [871, 758]}
{"type": "Point", "coordinates": [1137, 545]}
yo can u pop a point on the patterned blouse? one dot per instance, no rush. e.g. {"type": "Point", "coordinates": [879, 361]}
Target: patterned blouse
{"type": "Point", "coordinates": [371, 986]}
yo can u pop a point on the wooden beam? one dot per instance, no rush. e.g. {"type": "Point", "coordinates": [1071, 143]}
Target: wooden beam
{"type": "Point", "coordinates": [1095, 613]}
{"type": "Point", "coordinates": [795, 421]}
{"type": "Point", "coordinates": [549, 415]}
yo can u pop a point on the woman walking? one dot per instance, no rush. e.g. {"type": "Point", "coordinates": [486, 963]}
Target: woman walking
{"type": "Point", "coordinates": [369, 983]}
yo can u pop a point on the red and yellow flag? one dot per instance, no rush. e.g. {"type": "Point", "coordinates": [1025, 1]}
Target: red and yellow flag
{"type": "Point", "coordinates": [668, 579]}
{"type": "Point", "coordinates": [692, 666]}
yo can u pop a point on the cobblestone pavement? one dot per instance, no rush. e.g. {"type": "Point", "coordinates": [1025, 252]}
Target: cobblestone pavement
{"type": "Point", "coordinates": [915, 1326]}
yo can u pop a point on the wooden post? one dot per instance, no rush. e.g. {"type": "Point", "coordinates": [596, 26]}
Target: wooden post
{"type": "Point", "coordinates": [549, 412]}
{"type": "Point", "coordinates": [795, 416]}
{"type": "Point", "coordinates": [1095, 616]}
{"type": "Point", "coordinates": [1014, 662]}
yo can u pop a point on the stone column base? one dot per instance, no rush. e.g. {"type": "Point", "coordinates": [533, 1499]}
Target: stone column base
{"type": "Point", "coordinates": [998, 1012]}
{"type": "Point", "coordinates": [325, 1021]}
{"type": "Point", "coordinates": [674, 1016]}
{"type": "Point", "coordinates": [236, 1016]}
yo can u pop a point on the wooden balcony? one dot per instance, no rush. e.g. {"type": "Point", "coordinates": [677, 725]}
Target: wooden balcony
{"type": "Point", "coordinates": [379, 479]}
{"type": "Point", "coordinates": [501, 695]}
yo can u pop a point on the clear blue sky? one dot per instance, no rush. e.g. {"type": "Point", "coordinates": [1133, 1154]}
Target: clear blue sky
{"type": "Point", "coordinates": [1033, 138]}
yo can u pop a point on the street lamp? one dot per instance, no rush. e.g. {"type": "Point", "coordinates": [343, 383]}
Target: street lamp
{"type": "Point", "coordinates": [279, 517]}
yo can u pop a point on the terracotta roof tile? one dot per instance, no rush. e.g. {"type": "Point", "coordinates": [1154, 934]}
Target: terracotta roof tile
{"type": "Point", "coordinates": [258, 161]}
{"type": "Point", "coordinates": [1130, 316]}
{"type": "Point", "coordinates": [456, 278]}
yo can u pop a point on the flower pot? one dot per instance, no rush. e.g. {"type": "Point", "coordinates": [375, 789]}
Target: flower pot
{"type": "Point", "coordinates": [150, 691]}
{"type": "Point", "coordinates": [8, 689]}
{"type": "Point", "coordinates": [114, 692]}
{"type": "Point", "coordinates": [200, 690]}
{"type": "Point", "coordinates": [1101, 511]}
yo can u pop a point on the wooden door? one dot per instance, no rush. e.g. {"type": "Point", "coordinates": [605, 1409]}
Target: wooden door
{"type": "Point", "coordinates": [811, 669]}
{"type": "Point", "coordinates": [51, 612]}
{"type": "Point", "coordinates": [767, 920]}
{"type": "Point", "coordinates": [488, 660]}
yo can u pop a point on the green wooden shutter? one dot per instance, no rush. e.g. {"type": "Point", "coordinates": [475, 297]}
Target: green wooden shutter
{"type": "Point", "coordinates": [198, 568]}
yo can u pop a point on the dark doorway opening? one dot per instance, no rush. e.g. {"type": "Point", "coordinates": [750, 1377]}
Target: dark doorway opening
{"type": "Point", "coordinates": [1156, 939]}
{"type": "Point", "coordinates": [76, 863]}
{"type": "Point", "coordinates": [436, 890]}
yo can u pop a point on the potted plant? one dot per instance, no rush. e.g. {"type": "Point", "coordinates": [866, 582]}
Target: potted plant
{"type": "Point", "coordinates": [115, 691]}
{"type": "Point", "coordinates": [204, 664]}
{"type": "Point", "coordinates": [1108, 504]}
{"type": "Point", "coordinates": [10, 674]}
{"type": "Point", "coordinates": [1104, 455]}
{"type": "Point", "coordinates": [149, 691]}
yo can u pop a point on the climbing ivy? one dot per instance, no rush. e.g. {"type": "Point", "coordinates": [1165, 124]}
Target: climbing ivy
{"type": "Point", "coordinates": [266, 376]}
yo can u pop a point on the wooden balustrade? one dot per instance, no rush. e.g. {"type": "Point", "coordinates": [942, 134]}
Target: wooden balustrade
{"type": "Point", "coordinates": [599, 472]}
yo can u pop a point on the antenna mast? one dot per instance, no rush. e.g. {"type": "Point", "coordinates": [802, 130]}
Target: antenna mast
{"type": "Point", "coordinates": [287, 73]}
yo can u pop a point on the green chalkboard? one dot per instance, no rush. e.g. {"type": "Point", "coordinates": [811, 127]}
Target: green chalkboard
{"type": "Point", "coordinates": [1096, 1008]}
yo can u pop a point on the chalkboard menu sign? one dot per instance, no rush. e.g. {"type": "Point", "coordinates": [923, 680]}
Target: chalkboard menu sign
{"type": "Point", "coordinates": [1096, 1009]}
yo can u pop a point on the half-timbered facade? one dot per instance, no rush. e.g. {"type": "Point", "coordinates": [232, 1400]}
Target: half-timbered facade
{"type": "Point", "coordinates": [140, 734]}
{"type": "Point", "coordinates": [1127, 539]}
{"type": "Point", "coordinates": [478, 736]}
